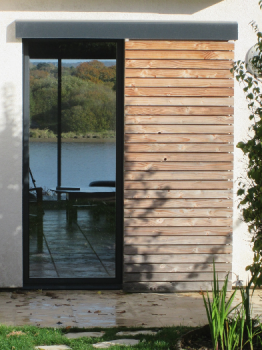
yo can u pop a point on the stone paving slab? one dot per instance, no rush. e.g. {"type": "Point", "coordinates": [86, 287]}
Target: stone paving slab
{"type": "Point", "coordinates": [53, 347]}
{"type": "Point", "coordinates": [84, 334]}
{"type": "Point", "coordinates": [86, 309]}
{"type": "Point", "coordinates": [137, 332]}
{"type": "Point", "coordinates": [121, 342]}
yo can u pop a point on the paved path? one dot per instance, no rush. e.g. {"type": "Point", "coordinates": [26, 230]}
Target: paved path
{"type": "Point", "coordinates": [106, 308]}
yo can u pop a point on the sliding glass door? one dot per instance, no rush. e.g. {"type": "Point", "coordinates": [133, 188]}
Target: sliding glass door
{"type": "Point", "coordinates": [73, 163]}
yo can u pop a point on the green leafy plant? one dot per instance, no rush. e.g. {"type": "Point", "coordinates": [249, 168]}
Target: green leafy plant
{"type": "Point", "coordinates": [218, 310]}
{"type": "Point", "coordinates": [231, 332]}
{"type": "Point", "coordinates": [250, 186]}
{"type": "Point", "coordinates": [234, 330]}
{"type": "Point", "coordinates": [88, 98]}
{"type": "Point", "coordinates": [251, 330]}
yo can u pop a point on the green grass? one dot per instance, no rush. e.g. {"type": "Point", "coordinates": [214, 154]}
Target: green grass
{"type": "Point", "coordinates": [48, 134]}
{"type": "Point", "coordinates": [35, 336]}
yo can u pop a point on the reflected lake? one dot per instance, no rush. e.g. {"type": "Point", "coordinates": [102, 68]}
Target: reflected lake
{"type": "Point", "coordinates": [82, 162]}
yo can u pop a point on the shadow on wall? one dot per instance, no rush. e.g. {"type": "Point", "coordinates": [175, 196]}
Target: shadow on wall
{"type": "Point", "coordinates": [163, 265]}
{"type": "Point", "coordinates": [10, 189]}
{"type": "Point", "coordinates": [10, 34]}
{"type": "Point", "coordinates": [186, 7]}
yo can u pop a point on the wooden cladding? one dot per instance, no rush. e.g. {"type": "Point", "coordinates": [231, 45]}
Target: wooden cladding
{"type": "Point", "coordinates": [179, 45]}
{"type": "Point", "coordinates": [178, 164]}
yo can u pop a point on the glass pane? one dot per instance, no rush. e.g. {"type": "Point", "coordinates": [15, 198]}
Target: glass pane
{"type": "Point", "coordinates": [43, 122]}
{"type": "Point", "coordinates": [42, 160]}
{"type": "Point", "coordinates": [88, 121]}
{"type": "Point", "coordinates": [89, 158]}
{"type": "Point", "coordinates": [72, 227]}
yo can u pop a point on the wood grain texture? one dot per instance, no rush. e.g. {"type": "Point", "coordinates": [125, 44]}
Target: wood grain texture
{"type": "Point", "coordinates": [177, 175]}
{"type": "Point", "coordinates": [179, 54]}
{"type": "Point", "coordinates": [179, 138]}
{"type": "Point", "coordinates": [178, 110]}
{"type": "Point", "coordinates": [177, 213]}
{"type": "Point", "coordinates": [179, 83]}
{"type": "Point", "coordinates": [178, 129]}
{"type": "Point", "coordinates": [166, 194]}
{"type": "Point", "coordinates": [178, 164]}
{"type": "Point", "coordinates": [192, 166]}
{"type": "Point", "coordinates": [177, 240]}
{"type": "Point", "coordinates": [179, 101]}
{"type": "Point", "coordinates": [195, 64]}
{"type": "Point", "coordinates": [177, 249]}
{"type": "Point", "coordinates": [178, 231]}
{"type": "Point", "coordinates": [180, 73]}
{"type": "Point", "coordinates": [178, 185]}
{"type": "Point", "coordinates": [170, 91]}
{"type": "Point", "coordinates": [178, 157]}
{"type": "Point", "coordinates": [178, 147]}
{"type": "Point", "coordinates": [169, 277]}
{"type": "Point", "coordinates": [195, 259]}
{"type": "Point", "coordinates": [177, 203]}
{"type": "Point", "coordinates": [178, 221]}
{"type": "Point", "coordinates": [175, 267]}
{"type": "Point", "coordinates": [177, 119]}
{"type": "Point", "coordinates": [178, 45]}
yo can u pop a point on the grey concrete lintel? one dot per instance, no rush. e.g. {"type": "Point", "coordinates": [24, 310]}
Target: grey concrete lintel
{"type": "Point", "coordinates": [160, 30]}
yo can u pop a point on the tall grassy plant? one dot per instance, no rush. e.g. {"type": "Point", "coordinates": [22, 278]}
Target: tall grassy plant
{"type": "Point", "coordinates": [218, 310]}
{"type": "Point", "coordinates": [234, 330]}
{"type": "Point", "coordinates": [251, 330]}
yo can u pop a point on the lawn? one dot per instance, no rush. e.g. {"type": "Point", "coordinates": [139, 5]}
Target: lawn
{"type": "Point", "coordinates": [27, 337]}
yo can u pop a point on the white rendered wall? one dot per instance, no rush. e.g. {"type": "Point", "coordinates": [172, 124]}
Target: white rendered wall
{"type": "Point", "coordinates": [242, 11]}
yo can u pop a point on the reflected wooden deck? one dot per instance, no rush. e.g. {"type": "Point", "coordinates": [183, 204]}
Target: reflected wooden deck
{"type": "Point", "coordinates": [76, 195]}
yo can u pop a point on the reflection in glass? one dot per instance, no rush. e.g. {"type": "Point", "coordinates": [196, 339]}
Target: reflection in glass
{"type": "Point", "coordinates": [72, 226]}
{"type": "Point", "coordinates": [88, 118]}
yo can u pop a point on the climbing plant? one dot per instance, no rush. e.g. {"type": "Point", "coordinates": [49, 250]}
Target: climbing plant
{"type": "Point", "coordinates": [250, 186]}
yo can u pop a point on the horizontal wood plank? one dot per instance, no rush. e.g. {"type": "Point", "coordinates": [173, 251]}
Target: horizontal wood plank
{"type": "Point", "coordinates": [179, 54]}
{"type": "Point", "coordinates": [178, 185]}
{"type": "Point", "coordinates": [177, 240]}
{"type": "Point", "coordinates": [202, 64]}
{"type": "Point", "coordinates": [178, 161]}
{"type": "Point", "coordinates": [162, 194]}
{"type": "Point", "coordinates": [178, 249]}
{"type": "Point", "coordinates": [178, 110]}
{"type": "Point", "coordinates": [178, 157]}
{"type": "Point", "coordinates": [178, 267]}
{"type": "Point", "coordinates": [178, 45]}
{"type": "Point", "coordinates": [177, 213]}
{"type": "Point", "coordinates": [177, 203]}
{"type": "Point", "coordinates": [178, 147]}
{"type": "Point", "coordinates": [176, 120]}
{"type": "Point", "coordinates": [177, 175]}
{"type": "Point", "coordinates": [179, 138]}
{"type": "Point", "coordinates": [179, 129]}
{"type": "Point", "coordinates": [203, 259]}
{"type": "Point", "coordinates": [179, 83]}
{"type": "Point", "coordinates": [170, 91]}
{"type": "Point", "coordinates": [180, 73]}
{"type": "Point", "coordinates": [179, 231]}
{"type": "Point", "coordinates": [169, 277]}
{"type": "Point", "coordinates": [178, 221]}
{"type": "Point", "coordinates": [179, 101]}
{"type": "Point", "coordinates": [192, 166]}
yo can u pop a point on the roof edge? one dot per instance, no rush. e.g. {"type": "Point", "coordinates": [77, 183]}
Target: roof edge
{"type": "Point", "coordinates": [176, 30]}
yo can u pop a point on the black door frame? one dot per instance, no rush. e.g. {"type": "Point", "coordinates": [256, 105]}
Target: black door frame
{"type": "Point", "coordinates": [74, 283]}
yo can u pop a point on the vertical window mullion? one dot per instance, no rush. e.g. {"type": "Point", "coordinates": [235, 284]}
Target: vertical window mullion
{"type": "Point", "coordinates": [59, 123]}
